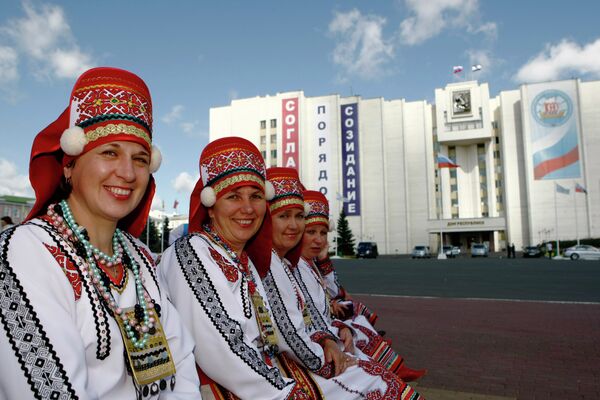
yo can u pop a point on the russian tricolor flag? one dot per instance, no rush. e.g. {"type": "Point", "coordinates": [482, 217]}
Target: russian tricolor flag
{"type": "Point", "coordinates": [580, 189]}
{"type": "Point", "coordinates": [445, 162]}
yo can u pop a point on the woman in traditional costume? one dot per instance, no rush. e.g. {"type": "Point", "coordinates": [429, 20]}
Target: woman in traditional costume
{"type": "Point", "coordinates": [316, 345]}
{"type": "Point", "coordinates": [315, 288]}
{"type": "Point", "coordinates": [82, 312]}
{"type": "Point", "coordinates": [214, 277]}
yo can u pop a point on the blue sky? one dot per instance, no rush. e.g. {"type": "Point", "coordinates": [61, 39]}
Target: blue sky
{"type": "Point", "coordinates": [195, 55]}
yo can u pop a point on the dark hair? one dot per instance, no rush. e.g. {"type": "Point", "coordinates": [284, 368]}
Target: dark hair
{"type": "Point", "coordinates": [8, 220]}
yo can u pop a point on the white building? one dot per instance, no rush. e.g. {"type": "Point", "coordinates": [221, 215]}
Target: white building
{"type": "Point", "coordinates": [379, 156]}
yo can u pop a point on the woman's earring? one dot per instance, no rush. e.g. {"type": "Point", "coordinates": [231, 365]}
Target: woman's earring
{"type": "Point", "coordinates": [69, 182]}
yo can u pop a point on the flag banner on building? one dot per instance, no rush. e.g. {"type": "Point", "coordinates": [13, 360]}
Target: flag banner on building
{"type": "Point", "coordinates": [562, 189]}
{"type": "Point", "coordinates": [476, 67]}
{"type": "Point", "coordinates": [553, 115]}
{"type": "Point", "coordinates": [350, 158]}
{"type": "Point", "coordinates": [580, 189]}
{"type": "Point", "coordinates": [457, 69]}
{"type": "Point", "coordinates": [325, 130]}
{"type": "Point", "coordinates": [289, 139]}
{"type": "Point", "coordinates": [444, 161]}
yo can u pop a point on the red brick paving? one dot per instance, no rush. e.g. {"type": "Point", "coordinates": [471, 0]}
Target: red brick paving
{"type": "Point", "coordinates": [525, 350]}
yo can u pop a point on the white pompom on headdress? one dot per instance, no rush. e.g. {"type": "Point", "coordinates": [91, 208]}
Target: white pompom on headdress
{"type": "Point", "coordinates": [155, 159]}
{"type": "Point", "coordinates": [208, 197]}
{"type": "Point", "coordinates": [269, 191]}
{"type": "Point", "coordinates": [73, 140]}
{"type": "Point", "coordinates": [306, 208]}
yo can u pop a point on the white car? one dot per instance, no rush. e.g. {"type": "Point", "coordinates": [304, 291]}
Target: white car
{"type": "Point", "coordinates": [582, 251]}
{"type": "Point", "coordinates": [421, 252]}
{"type": "Point", "coordinates": [451, 251]}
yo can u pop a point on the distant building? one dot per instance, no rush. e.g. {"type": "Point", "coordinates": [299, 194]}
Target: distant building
{"type": "Point", "coordinates": [15, 207]}
{"type": "Point", "coordinates": [377, 159]}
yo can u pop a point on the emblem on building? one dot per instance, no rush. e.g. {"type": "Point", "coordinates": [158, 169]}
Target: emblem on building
{"type": "Point", "coordinates": [552, 108]}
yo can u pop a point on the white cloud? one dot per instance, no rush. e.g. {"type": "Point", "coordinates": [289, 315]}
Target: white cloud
{"type": "Point", "coordinates": [361, 48]}
{"type": "Point", "coordinates": [556, 61]}
{"type": "Point", "coordinates": [12, 182]}
{"type": "Point", "coordinates": [69, 63]}
{"type": "Point", "coordinates": [9, 60]}
{"type": "Point", "coordinates": [174, 114]}
{"type": "Point", "coordinates": [184, 183]}
{"type": "Point", "coordinates": [189, 127]}
{"type": "Point", "coordinates": [44, 35]}
{"type": "Point", "coordinates": [430, 17]}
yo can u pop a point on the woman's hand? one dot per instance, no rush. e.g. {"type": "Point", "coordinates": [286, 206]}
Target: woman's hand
{"type": "Point", "coordinates": [340, 360]}
{"type": "Point", "coordinates": [339, 310]}
{"type": "Point", "coordinates": [346, 335]}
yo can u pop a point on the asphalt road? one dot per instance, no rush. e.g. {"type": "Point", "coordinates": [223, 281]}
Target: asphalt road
{"type": "Point", "coordinates": [488, 329]}
{"type": "Point", "coordinates": [465, 277]}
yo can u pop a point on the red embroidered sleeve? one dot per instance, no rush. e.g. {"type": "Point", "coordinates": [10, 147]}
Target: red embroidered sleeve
{"type": "Point", "coordinates": [229, 270]}
{"type": "Point", "coordinates": [68, 268]}
{"type": "Point", "coordinates": [325, 266]}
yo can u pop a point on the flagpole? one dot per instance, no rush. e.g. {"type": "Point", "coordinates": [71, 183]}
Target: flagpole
{"type": "Point", "coordinates": [441, 254]}
{"type": "Point", "coordinates": [576, 219]}
{"type": "Point", "coordinates": [556, 221]}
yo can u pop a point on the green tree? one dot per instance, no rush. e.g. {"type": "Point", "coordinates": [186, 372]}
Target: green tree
{"type": "Point", "coordinates": [150, 229]}
{"type": "Point", "coordinates": [345, 239]}
{"type": "Point", "coordinates": [165, 235]}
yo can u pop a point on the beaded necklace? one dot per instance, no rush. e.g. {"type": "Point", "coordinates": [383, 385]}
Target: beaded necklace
{"type": "Point", "coordinates": [263, 318]}
{"type": "Point", "coordinates": [139, 326]}
{"type": "Point", "coordinates": [319, 278]}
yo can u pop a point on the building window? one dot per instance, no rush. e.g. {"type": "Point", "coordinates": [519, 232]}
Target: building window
{"type": "Point", "coordinates": [274, 154]}
{"type": "Point", "coordinates": [273, 139]}
{"type": "Point", "coordinates": [264, 154]}
{"type": "Point", "coordinates": [273, 123]}
{"type": "Point", "coordinates": [263, 124]}
{"type": "Point", "coordinates": [263, 140]}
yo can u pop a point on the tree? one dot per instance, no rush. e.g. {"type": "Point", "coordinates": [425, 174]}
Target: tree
{"type": "Point", "coordinates": [345, 239]}
{"type": "Point", "coordinates": [165, 233]}
{"type": "Point", "coordinates": [154, 243]}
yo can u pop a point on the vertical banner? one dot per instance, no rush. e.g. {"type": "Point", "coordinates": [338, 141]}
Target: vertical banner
{"type": "Point", "coordinates": [554, 132]}
{"type": "Point", "coordinates": [350, 158]}
{"type": "Point", "coordinates": [289, 143]}
{"type": "Point", "coordinates": [322, 131]}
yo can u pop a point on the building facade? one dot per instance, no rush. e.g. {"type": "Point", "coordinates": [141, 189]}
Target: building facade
{"type": "Point", "coordinates": [15, 207]}
{"type": "Point", "coordinates": [376, 160]}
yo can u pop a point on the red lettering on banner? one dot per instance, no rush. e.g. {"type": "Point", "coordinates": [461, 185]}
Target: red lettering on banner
{"type": "Point", "coordinates": [289, 110]}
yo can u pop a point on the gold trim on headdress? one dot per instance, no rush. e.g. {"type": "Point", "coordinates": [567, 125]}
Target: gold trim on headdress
{"type": "Point", "coordinates": [232, 180]}
{"type": "Point", "coordinates": [115, 129]}
{"type": "Point", "coordinates": [286, 202]}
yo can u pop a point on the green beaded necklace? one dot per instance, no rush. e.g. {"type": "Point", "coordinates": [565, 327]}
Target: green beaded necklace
{"type": "Point", "coordinates": [137, 332]}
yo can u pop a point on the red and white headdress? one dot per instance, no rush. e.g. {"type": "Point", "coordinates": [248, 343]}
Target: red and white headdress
{"type": "Point", "coordinates": [287, 188]}
{"type": "Point", "coordinates": [106, 105]}
{"type": "Point", "coordinates": [226, 164]}
{"type": "Point", "coordinates": [318, 213]}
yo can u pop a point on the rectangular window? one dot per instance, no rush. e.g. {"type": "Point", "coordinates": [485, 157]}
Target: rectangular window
{"type": "Point", "coordinates": [263, 140]}
{"type": "Point", "coordinates": [273, 139]}
{"type": "Point", "coordinates": [273, 123]}
{"type": "Point", "coordinates": [263, 124]}
{"type": "Point", "coordinates": [274, 154]}
{"type": "Point", "coordinates": [264, 154]}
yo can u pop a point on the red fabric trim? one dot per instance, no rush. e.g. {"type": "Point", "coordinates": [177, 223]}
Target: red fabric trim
{"type": "Point", "coordinates": [68, 268]}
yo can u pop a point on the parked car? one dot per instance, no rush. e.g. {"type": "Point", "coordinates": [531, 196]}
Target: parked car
{"type": "Point", "coordinates": [479, 250]}
{"type": "Point", "coordinates": [532, 251]}
{"type": "Point", "coordinates": [583, 251]}
{"type": "Point", "coordinates": [421, 252]}
{"type": "Point", "coordinates": [451, 251]}
{"type": "Point", "coordinates": [367, 250]}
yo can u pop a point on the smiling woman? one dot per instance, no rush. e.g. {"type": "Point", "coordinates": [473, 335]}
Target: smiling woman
{"type": "Point", "coordinates": [78, 291]}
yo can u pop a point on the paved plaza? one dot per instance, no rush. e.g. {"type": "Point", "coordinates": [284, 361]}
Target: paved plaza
{"type": "Point", "coordinates": [542, 344]}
